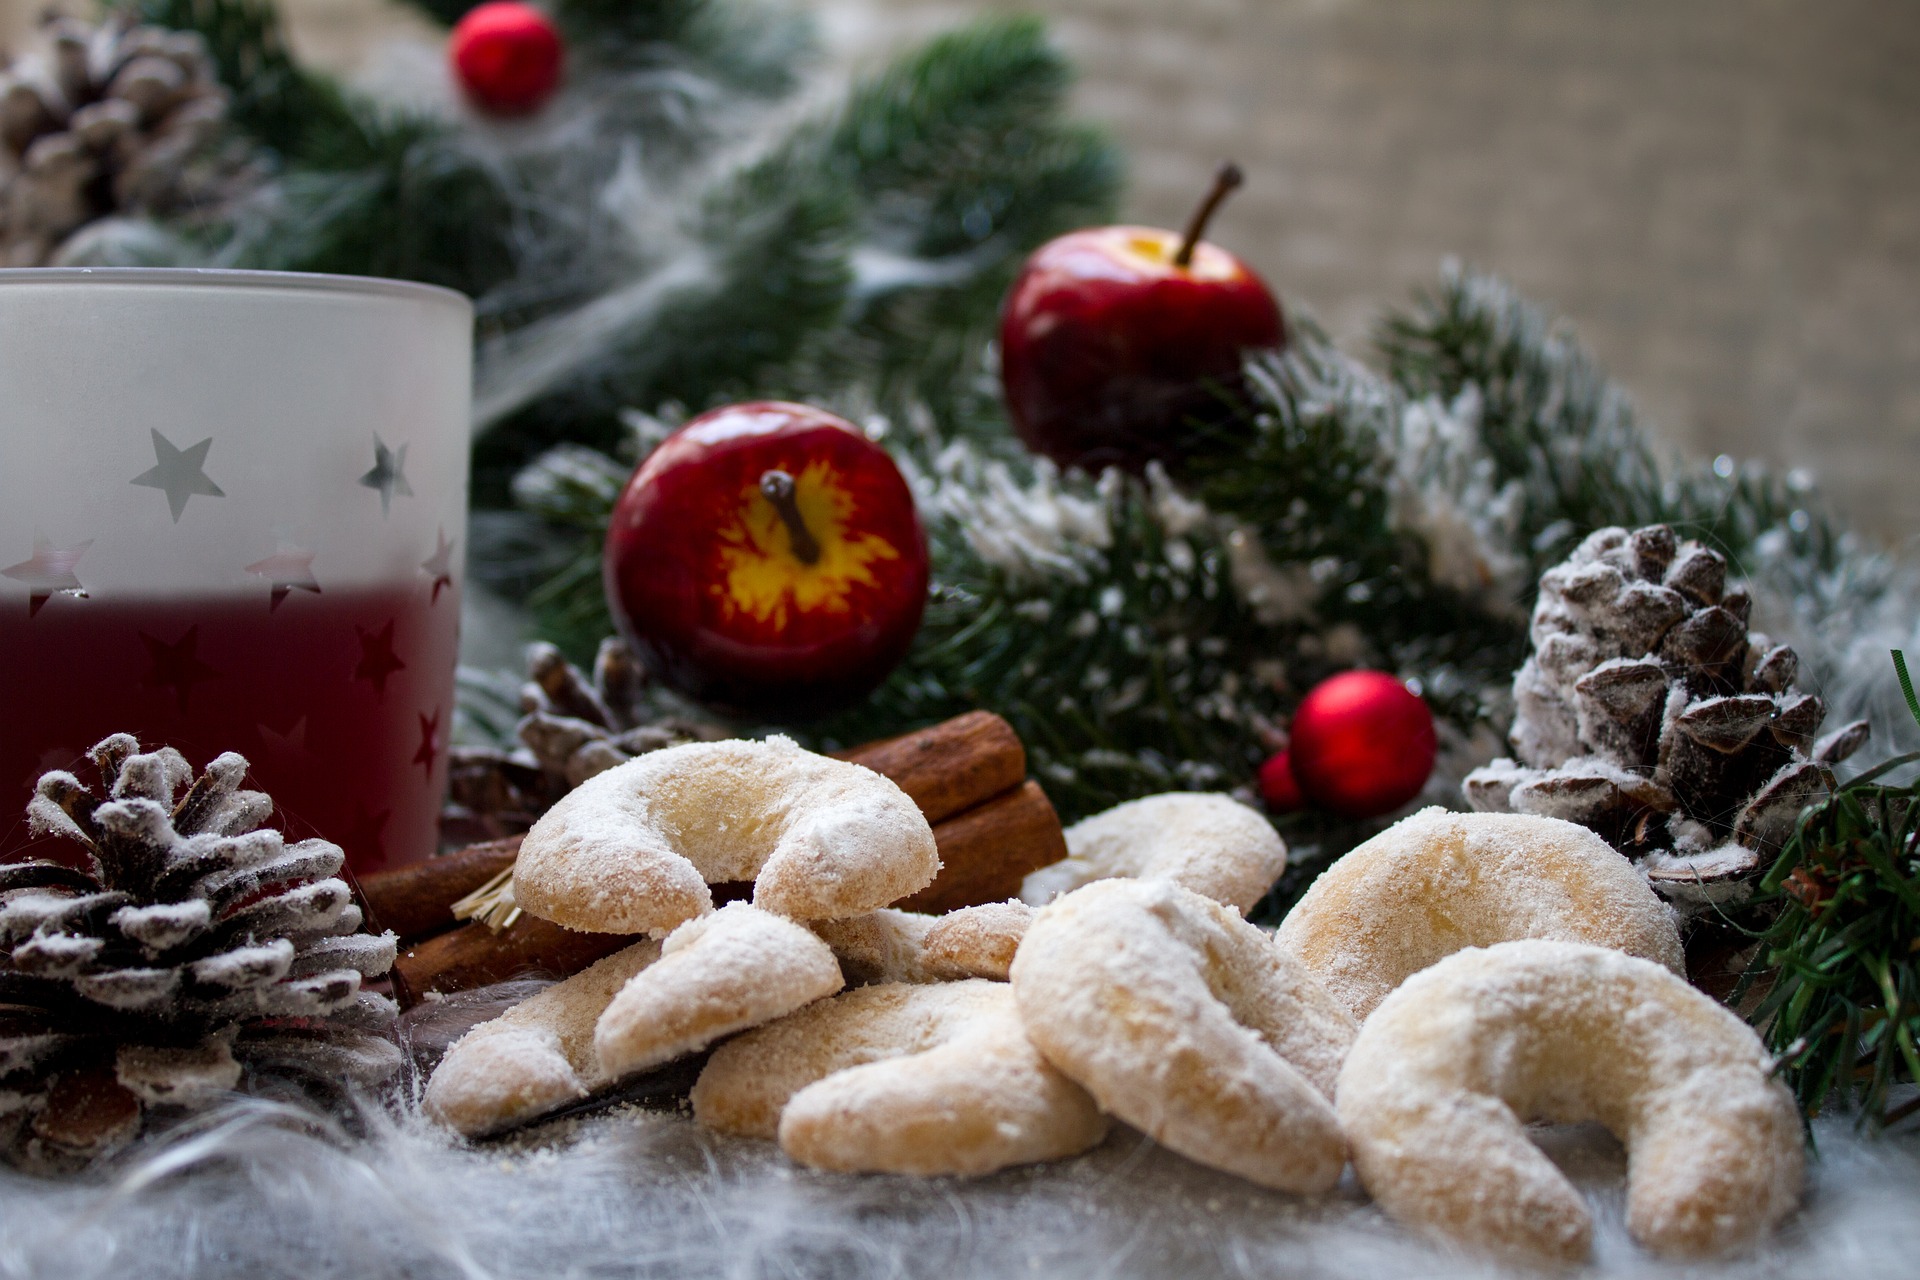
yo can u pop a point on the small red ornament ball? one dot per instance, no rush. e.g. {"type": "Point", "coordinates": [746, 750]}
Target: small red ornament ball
{"type": "Point", "coordinates": [1362, 744]}
{"type": "Point", "coordinates": [507, 57]}
{"type": "Point", "coordinates": [768, 561]}
{"type": "Point", "coordinates": [1278, 787]}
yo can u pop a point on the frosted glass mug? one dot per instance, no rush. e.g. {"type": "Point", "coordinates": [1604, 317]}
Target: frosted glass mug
{"type": "Point", "coordinates": [232, 516]}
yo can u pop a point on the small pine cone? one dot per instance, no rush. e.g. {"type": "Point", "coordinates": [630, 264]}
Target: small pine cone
{"type": "Point", "coordinates": [181, 944]}
{"type": "Point", "coordinates": [107, 122]}
{"type": "Point", "coordinates": [572, 727]}
{"type": "Point", "coordinates": [1649, 712]}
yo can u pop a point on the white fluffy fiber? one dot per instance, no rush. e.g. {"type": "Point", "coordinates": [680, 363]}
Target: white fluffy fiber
{"type": "Point", "coordinates": [258, 1190]}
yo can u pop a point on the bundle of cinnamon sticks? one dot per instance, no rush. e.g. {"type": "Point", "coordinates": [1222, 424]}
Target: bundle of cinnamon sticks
{"type": "Point", "coordinates": [968, 775]}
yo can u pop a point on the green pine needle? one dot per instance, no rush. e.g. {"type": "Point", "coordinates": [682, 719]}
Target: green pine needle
{"type": "Point", "coordinates": [1906, 684]}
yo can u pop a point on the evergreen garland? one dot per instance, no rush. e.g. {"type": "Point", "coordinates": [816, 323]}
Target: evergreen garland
{"type": "Point", "coordinates": [1150, 634]}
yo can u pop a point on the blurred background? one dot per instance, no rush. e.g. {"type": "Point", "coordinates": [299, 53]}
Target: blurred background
{"type": "Point", "coordinates": [1722, 195]}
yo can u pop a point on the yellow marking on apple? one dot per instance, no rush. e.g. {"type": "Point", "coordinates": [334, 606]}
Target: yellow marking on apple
{"type": "Point", "coordinates": [763, 578]}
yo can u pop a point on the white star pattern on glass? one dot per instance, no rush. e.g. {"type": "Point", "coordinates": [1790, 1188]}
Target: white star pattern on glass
{"type": "Point", "coordinates": [179, 473]}
{"type": "Point", "coordinates": [288, 569]}
{"type": "Point", "coordinates": [440, 564]}
{"type": "Point", "coordinates": [50, 571]}
{"type": "Point", "coordinates": [389, 474]}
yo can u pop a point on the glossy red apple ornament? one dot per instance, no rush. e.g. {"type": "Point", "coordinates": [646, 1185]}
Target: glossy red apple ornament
{"type": "Point", "coordinates": [507, 57]}
{"type": "Point", "coordinates": [767, 560]}
{"type": "Point", "coordinates": [1363, 744]}
{"type": "Point", "coordinates": [1122, 345]}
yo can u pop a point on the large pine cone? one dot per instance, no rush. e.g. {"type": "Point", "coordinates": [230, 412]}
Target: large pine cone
{"type": "Point", "coordinates": [118, 119]}
{"type": "Point", "coordinates": [1650, 714]}
{"type": "Point", "coordinates": [189, 945]}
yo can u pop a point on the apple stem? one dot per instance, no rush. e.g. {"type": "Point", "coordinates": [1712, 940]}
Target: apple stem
{"type": "Point", "coordinates": [777, 485]}
{"type": "Point", "coordinates": [1224, 181]}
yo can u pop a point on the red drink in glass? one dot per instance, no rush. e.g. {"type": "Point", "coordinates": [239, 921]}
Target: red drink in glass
{"type": "Point", "coordinates": [339, 700]}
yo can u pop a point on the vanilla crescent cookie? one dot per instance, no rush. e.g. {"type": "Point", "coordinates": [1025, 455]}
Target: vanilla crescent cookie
{"type": "Point", "coordinates": [1210, 843]}
{"type": "Point", "coordinates": [1188, 1023]}
{"type": "Point", "coordinates": [900, 1078]}
{"type": "Point", "coordinates": [1450, 1067]}
{"type": "Point", "coordinates": [633, 849]}
{"type": "Point", "coordinates": [1438, 882]}
{"type": "Point", "coordinates": [722, 973]}
{"type": "Point", "coordinates": [535, 1057]}
{"type": "Point", "coordinates": [905, 946]}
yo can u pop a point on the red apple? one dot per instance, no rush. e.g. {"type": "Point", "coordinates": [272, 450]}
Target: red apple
{"type": "Point", "coordinates": [1121, 345]}
{"type": "Point", "coordinates": [767, 560]}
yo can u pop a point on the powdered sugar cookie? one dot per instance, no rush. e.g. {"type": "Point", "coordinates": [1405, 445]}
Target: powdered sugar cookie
{"type": "Point", "coordinates": [722, 973]}
{"type": "Point", "coordinates": [900, 1078]}
{"type": "Point", "coordinates": [1211, 844]}
{"type": "Point", "coordinates": [905, 946]}
{"type": "Point", "coordinates": [633, 849]}
{"type": "Point", "coordinates": [1188, 1023]}
{"type": "Point", "coordinates": [1437, 882]}
{"type": "Point", "coordinates": [1448, 1069]}
{"type": "Point", "coordinates": [535, 1057]}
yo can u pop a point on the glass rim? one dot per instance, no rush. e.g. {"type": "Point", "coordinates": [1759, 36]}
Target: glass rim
{"type": "Point", "coordinates": [311, 281]}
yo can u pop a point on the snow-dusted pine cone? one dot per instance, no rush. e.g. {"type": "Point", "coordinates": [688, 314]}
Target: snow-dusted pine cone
{"type": "Point", "coordinates": [183, 945]}
{"type": "Point", "coordinates": [571, 728]}
{"type": "Point", "coordinates": [111, 120]}
{"type": "Point", "coordinates": [1649, 713]}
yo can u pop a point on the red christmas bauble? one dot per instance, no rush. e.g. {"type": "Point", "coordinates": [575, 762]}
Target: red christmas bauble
{"type": "Point", "coordinates": [1362, 745]}
{"type": "Point", "coordinates": [1278, 787]}
{"type": "Point", "coordinates": [507, 57]}
{"type": "Point", "coordinates": [767, 560]}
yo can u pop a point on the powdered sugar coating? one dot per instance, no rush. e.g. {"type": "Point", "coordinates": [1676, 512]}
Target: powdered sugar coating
{"type": "Point", "coordinates": [1210, 843]}
{"type": "Point", "coordinates": [1450, 1066]}
{"type": "Point", "coordinates": [725, 972]}
{"type": "Point", "coordinates": [900, 1078]}
{"type": "Point", "coordinates": [633, 849]}
{"type": "Point", "coordinates": [536, 1056]}
{"type": "Point", "coordinates": [1437, 882]}
{"type": "Point", "coordinates": [1188, 1023]}
{"type": "Point", "coordinates": [906, 946]}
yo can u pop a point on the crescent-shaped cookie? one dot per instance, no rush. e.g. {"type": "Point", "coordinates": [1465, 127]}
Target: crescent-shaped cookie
{"type": "Point", "coordinates": [1437, 882]}
{"type": "Point", "coordinates": [1437, 1090]}
{"type": "Point", "coordinates": [632, 850]}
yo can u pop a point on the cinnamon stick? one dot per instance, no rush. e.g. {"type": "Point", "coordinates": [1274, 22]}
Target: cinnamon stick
{"type": "Point", "coordinates": [417, 901]}
{"type": "Point", "coordinates": [951, 766]}
{"type": "Point", "coordinates": [986, 851]}
{"type": "Point", "coordinates": [474, 955]}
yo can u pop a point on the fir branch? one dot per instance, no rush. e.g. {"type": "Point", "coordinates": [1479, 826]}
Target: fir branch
{"type": "Point", "coordinates": [1835, 984]}
{"type": "Point", "coordinates": [751, 46]}
{"type": "Point", "coordinates": [1555, 423]}
{"type": "Point", "coordinates": [303, 117]}
{"type": "Point", "coordinates": [949, 165]}
{"type": "Point", "coordinates": [964, 164]}
{"type": "Point", "coordinates": [411, 205]}
{"type": "Point", "coordinates": [362, 191]}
